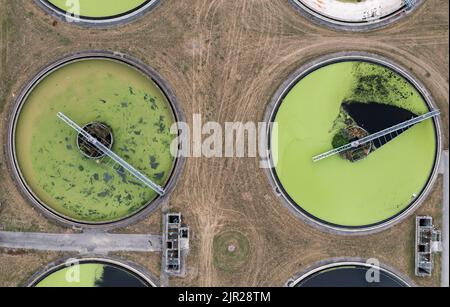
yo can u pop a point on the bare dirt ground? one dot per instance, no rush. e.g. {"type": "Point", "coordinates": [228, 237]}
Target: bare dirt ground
{"type": "Point", "coordinates": [225, 59]}
{"type": "Point", "coordinates": [18, 266]}
{"type": "Point", "coordinates": [150, 261]}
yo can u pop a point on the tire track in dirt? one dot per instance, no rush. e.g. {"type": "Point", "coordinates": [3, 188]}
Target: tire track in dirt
{"type": "Point", "coordinates": [4, 49]}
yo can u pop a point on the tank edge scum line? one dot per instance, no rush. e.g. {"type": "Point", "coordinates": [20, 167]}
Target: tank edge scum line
{"type": "Point", "coordinates": [107, 21]}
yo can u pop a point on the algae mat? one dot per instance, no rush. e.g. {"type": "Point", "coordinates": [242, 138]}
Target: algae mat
{"type": "Point", "coordinates": [99, 8]}
{"type": "Point", "coordinates": [336, 191]}
{"type": "Point", "coordinates": [94, 90]}
{"type": "Point", "coordinates": [91, 275]}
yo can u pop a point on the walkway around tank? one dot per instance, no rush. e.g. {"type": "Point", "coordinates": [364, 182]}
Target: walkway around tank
{"type": "Point", "coordinates": [82, 243]}
{"type": "Point", "coordinates": [445, 222]}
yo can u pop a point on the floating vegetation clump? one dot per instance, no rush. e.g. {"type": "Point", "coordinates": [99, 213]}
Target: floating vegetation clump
{"type": "Point", "coordinates": [377, 84]}
{"type": "Point", "coordinates": [346, 136]}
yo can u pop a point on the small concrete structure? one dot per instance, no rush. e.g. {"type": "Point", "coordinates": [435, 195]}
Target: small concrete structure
{"type": "Point", "coordinates": [428, 242]}
{"type": "Point", "coordinates": [176, 244]}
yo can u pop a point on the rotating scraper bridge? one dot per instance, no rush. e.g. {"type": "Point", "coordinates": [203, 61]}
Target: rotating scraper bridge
{"type": "Point", "coordinates": [105, 150]}
{"type": "Point", "coordinates": [391, 131]}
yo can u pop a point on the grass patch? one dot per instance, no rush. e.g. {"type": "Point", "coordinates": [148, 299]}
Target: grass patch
{"type": "Point", "coordinates": [231, 251]}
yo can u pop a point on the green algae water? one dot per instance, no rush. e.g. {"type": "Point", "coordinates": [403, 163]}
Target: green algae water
{"type": "Point", "coordinates": [337, 191]}
{"type": "Point", "coordinates": [94, 90]}
{"type": "Point", "coordinates": [100, 8]}
{"type": "Point", "coordinates": [91, 275]}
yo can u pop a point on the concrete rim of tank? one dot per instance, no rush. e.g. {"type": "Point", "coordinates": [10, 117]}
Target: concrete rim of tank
{"type": "Point", "coordinates": [272, 109]}
{"type": "Point", "coordinates": [61, 263]}
{"type": "Point", "coordinates": [346, 261]}
{"type": "Point", "coordinates": [26, 190]}
{"type": "Point", "coordinates": [106, 22]}
{"type": "Point", "coordinates": [335, 24]}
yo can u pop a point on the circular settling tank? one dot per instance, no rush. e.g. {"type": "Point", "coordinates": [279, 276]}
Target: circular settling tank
{"type": "Point", "coordinates": [98, 12]}
{"type": "Point", "coordinates": [92, 273]}
{"type": "Point", "coordinates": [332, 103]}
{"type": "Point", "coordinates": [350, 274]}
{"type": "Point", "coordinates": [355, 14]}
{"type": "Point", "coordinates": [112, 98]}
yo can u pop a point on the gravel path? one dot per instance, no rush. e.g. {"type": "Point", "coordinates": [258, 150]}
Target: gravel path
{"type": "Point", "coordinates": [82, 243]}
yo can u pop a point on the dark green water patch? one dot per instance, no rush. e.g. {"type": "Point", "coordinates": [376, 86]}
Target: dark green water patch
{"type": "Point", "coordinates": [114, 277]}
{"type": "Point", "coordinates": [351, 276]}
{"type": "Point", "coordinates": [375, 117]}
{"type": "Point", "coordinates": [92, 274]}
